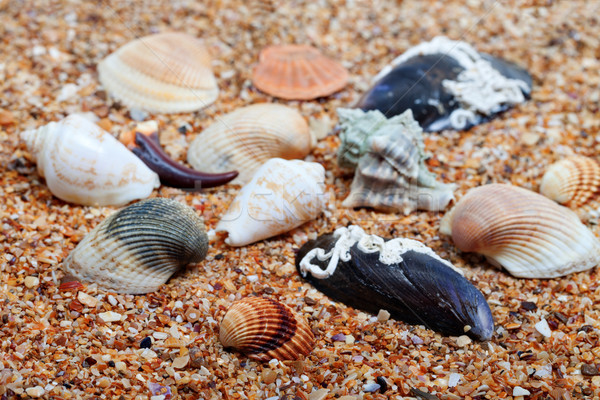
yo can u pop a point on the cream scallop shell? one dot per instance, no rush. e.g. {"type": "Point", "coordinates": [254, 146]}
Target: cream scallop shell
{"type": "Point", "coordinates": [574, 182]}
{"type": "Point", "coordinates": [523, 231]}
{"type": "Point", "coordinates": [282, 195]}
{"type": "Point", "coordinates": [166, 72]}
{"type": "Point", "coordinates": [83, 164]}
{"type": "Point", "coordinates": [246, 138]}
{"type": "Point", "coordinates": [139, 247]}
{"type": "Point", "coordinates": [265, 329]}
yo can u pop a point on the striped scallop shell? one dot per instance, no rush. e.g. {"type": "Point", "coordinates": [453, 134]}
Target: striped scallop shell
{"type": "Point", "coordinates": [264, 329]}
{"type": "Point", "coordinates": [298, 72]}
{"type": "Point", "coordinates": [139, 247]}
{"type": "Point", "coordinates": [166, 73]}
{"type": "Point", "coordinates": [574, 182]}
{"type": "Point", "coordinates": [523, 231]}
{"type": "Point", "coordinates": [246, 138]}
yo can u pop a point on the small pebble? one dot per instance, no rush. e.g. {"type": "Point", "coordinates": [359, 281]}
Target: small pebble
{"type": "Point", "coordinates": [383, 316]}
{"type": "Point", "coordinates": [370, 387]}
{"type": "Point", "coordinates": [589, 370]}
{"type": "Point", "coordinates": [318, 394]}
{"type": "Point", "coordinates": [159, 335]}
{"type": "Point", "coordinates": [87, 300]}
{"type": "Point", "coordinates": [146, 343]}
{"type": "Point", "coordinates": [519, 391]}
{"type": "Point", "coordinates": [181, 362]}
{"type": "Point", "coordinates": [36, 391]}
{"type": "Point", "coordinates": [110, 316]}
{"type": "Point", "coordinates": [32, 281]}
{"type": "Point", "coordinates": [543, 328]}
{"type": "Point", "coordinates": [137, 115]}
{"type": "Point", "coordinates": [453, 379]}
{"type": "Point", "coordinates": [463, 340]}
{"type": "Point", "coordinates": [268, 376]}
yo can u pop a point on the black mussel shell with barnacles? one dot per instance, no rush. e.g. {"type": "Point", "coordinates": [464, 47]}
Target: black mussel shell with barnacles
{"type": "Point", "coordinates": [401, 276]}
{"type": "Point", "coordinates": [448, 85]}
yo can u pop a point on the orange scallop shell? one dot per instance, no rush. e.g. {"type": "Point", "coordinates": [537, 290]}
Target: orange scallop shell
{"type": "Point", "coordinates": [574, 182]}
{"type": "Point", "coordinates": [264, 329]}
{"type": "Point", "coordinates": [298, 72]}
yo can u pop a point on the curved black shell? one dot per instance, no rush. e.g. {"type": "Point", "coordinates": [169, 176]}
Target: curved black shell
{"type": "Point", "coordinates": [420, 290]}
{"type": "Point", "coordinates": [417, 84]}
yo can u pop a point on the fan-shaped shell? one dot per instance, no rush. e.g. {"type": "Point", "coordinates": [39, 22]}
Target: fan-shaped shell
{"type": "Point", "coordinates": [139, 247]}
{"type": "Point", "coordinates": [525, 232]}
{"type": "Point", "coordinates": [83, 164]}
{"type": "Point", "coordinates": [246, 138]}
{"type": "Point", "coordinates": [298, 72]}
{"type": "Point", "coordinates": [166, 72]}
{"type": "Point", "coordinates": [264, 329]}
{"type": "Point", "coordinates": [574, 182]}
{"type": "Point", "coordinates": [281, 196]}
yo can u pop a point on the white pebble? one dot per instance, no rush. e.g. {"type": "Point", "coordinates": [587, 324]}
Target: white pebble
{"type": "Point", "coordinates": [543, 328]}
{"type": "Point", "coordinates": [36, 391]}
{"type": "Point", "coordinates": [463, 340]}
{"type": "Point", "coordinates": [383, 316]}
{"type": "Point", "coordinates": [31, 282]}
{"type": "Point", "coordinates": [110, 316]}
{"type": "Point", "coordinates": [519, 391]}
{"type": "Point", "coordinates": [160, 335]}
{"type": "Point", "coordinates": [454, 379]}
{"type": "Point", "coordinates": [370, 387]}
{"type": "Point", "coordinates": [87, 300]}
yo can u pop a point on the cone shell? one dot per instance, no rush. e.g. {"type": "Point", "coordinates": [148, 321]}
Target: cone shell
{"type": "Point", "coordinates": [298, 72]}
{"type": "Point", "coordinates": [281, 196]}
{"type": "Point", "coordinates": [139, 247]}
{"type": "Point", "coordinates": [526, 233]}
{"type": "Point", "coordinates": [246, 138]}
{"type": "Point", "coordinates": [265, 329]}
{"type": "Point", "coordinates": [574, 182]}
{"type": "Point", "coordinates": [83, 164]}
{"type": "Point", "coordinates": [166, 72]}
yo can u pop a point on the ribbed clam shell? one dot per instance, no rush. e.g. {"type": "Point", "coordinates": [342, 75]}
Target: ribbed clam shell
{"type": "Point", "coordinates": [166, 72]}
{"type": "Point", "coordinates": [139, 247]}
{"type": "Point", "coordinates": [83, 164]}
{"type": "Point", "coordinates": [246, 138]}
{"type": "Point", "coordinates": [525, 232]}
{"type": "Point", "coordinates": [298, 72]}
{"type": "Point", "coordinates": [401, 276]}
{"type": "Point", "coordinates": [574, 182]}
{"type": "Point", "coordinates": [264, 329]}
{"type": "Point", "coordinates": [282, 195]}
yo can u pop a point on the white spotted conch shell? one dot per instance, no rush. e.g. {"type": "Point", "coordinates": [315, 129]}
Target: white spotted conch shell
{"type": "Point", "coordinates": [281, 196]}
{"type": "Point", "coordinates": [167, 72]}
{"type": "Point", "coordinates": [246, 138]}
{"type": "Point", "coordinates": [575, 183]}
{"type": "Point", "coordinates": [526, 233]}
{"type": "Point", "coordinates": [84, 164]}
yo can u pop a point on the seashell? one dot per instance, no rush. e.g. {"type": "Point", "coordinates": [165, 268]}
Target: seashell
{"type": "Point", "coordinates": [448, 85]}
{"type": "Point", "coordinates": [574, 182]}
{"type": "Point", "coordinates": [402, 276]}
{"type": "Point", "coordinates": [139, 247]}
{"type": "Point", "coordinates": [166, 73]}
{"type": "Point", "coordinates": [526, 233]}
{"type": "Point", "coordinates": [246, 138]}
{"type": "Point", "coordinates": [298, 72]}
{"type": "Point", "coordinates": [83, 164]}
{"type": "Point", "coordinates": [391, 174]}
{"type": "Point", "coordinates": [281, 196]}
{"type": "Point", "coordinates": [265, 329]}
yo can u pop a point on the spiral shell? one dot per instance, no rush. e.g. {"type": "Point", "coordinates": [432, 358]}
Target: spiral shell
{"type": "Point", "coordinates": [298, 72]}
{"type": "Point", "coordinates": [526, 233]}
{"type": "Point", "coordinates": [246, 138]}
{"type": "Point", "coordinates": [166, 72]}
{"type": "Point", "coordinates": [83, 164]}
{"type": "Point", "coordinates": [139, 247]}
{"type": "Point", "coordinates": [281, 196]}
{"type": "Point", "coordinates": [264, 329]}
{"type": "Point", "coordinates": [574, 182]}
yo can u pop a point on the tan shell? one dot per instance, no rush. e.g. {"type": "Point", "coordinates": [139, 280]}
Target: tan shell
{"type": "Point", "coordinates": [298, 72]}
{"type": "Point", "coordinates": [264, 329]}
{"type": "Point", "coordinates": [166, 72]}
{"type": "Point", "coordinates": [523, 231]}
{"type": "Point", "coordinates": [139, 247]}
{"type": "Point", "coordinates": [574, 182]}
{"type": "Point", "coordinates": [246, 138]}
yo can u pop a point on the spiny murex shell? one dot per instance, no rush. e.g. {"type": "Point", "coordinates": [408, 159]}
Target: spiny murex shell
{"type": "Point", "coordinates": [402, 276]}
{"type": "Point", "coordinates": [167, 72]}
{"type": "Point", "coordinates": [523, 231]}
{"type": "Point", "coordinates": [139, 247]}
{"type": "Point", "coordinates": [282, 195]}
{"type": "Point", "coordinates": [574, 182]}
{"type": "Point", "coordinates": [265, 329]}
{"type": "Point", "coordinates": [391, 173]}
{"type": "Point", "coordinates": [83, 164]}
{"type": "Point", "coordinates": [246, 138]}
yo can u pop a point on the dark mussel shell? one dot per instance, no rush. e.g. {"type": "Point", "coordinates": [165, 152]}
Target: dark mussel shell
{"type": "Point", "coordinates": [421, 289]}
{"type": "Point", "coordinates": [417, 84]}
